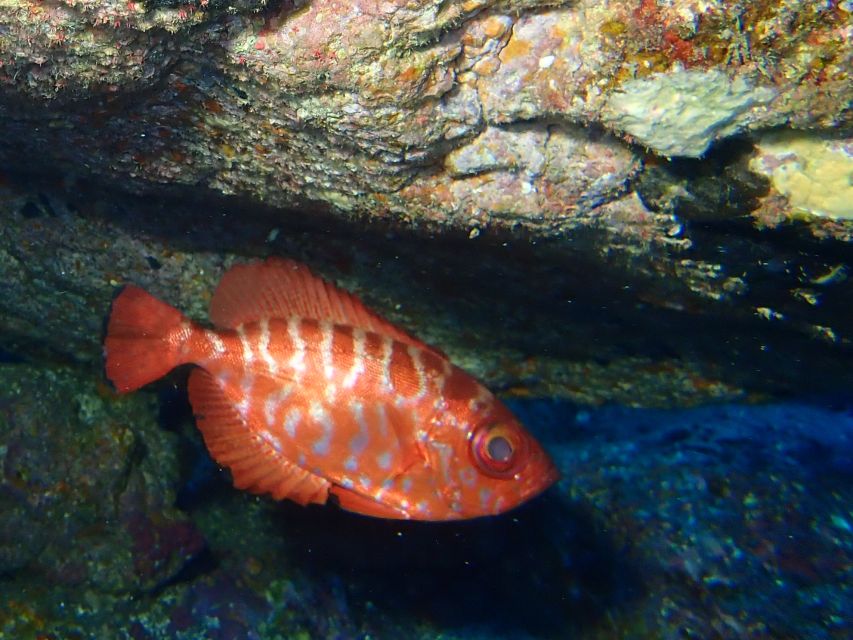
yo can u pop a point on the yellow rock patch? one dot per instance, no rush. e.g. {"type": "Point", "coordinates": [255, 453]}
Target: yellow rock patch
{"type": "Point", "coordinates": [814, 173]}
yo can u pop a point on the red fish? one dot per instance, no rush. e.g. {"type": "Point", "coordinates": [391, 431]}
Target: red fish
{"type": "Point", "coordinates": [303, 392]}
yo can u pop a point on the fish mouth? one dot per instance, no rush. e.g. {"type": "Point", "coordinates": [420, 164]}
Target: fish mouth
{"type": "Point", "coordinates": [542, 476]}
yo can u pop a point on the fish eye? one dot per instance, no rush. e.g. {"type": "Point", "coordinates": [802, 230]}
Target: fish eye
{"type": "Point", "coordinates": [497, 450]}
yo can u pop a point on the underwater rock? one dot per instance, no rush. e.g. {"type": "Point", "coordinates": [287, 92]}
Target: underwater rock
{"type": "Point", "coordinates": [812, 173]}
{"type": "Point", "coordinates": [580, 316]}
{"type": "Point", "coordinates": [732, 521]}
{"type": "Point", "coordinates": [505, 134]}
{"type": "Point", "coordinates": [87, 485]}
{"type": "Point", "coordinates": [393, 109]}
{"type": "Point", "coordinates": [719, 188]}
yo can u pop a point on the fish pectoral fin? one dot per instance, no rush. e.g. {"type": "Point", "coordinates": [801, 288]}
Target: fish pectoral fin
{"type": "Point", "coordinates": [357, 503]}
{"type": "Point", "coordinates": [409, 450]}
{"type": "Point", "coordinates": [255, 464]}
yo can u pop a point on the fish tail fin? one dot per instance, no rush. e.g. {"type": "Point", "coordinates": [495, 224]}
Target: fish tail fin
{"type": "Point", "coordinates": [144, 339]}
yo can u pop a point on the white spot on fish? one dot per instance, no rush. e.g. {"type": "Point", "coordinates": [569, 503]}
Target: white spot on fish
{"type": "Point", "coordinates": [468, 477]}
{"type": "Point", "coordinates": [384, 460]}
{"type": "Point", "coordinates": [273, 402]}
{"type": "Point", "coordinates": [215, 342]}
{"type": "Point", "coordinates": [498, 505]}
{"type": "Point", "coordinates": [245, 395]}
{"type": "Point", "coordinates": [445, 457]}
{"type": "Point", "coordinates": [331, 392]}
{"type": "Point", "coordinates": [485, 496]}
{"type": "Point", "coordinates": [272, 440]}
{"type": "Point", "coordinates": [383, 421]}
{"type": "Point", "coordinates": [415, 355]}
{"type": "Point", "coordinates": [327, 335]}
{"type": "Point", "coordinates": [387, 349]}
{"type": "Point", "coordinates": [322, 445]}
{"type": "Point", "coordinates": [358, 359]}
{"type": "Point", "coordinates": [264, 344]}
{"type": "Point", "coordinates": [291, 421]}
{"type": "Point", "coordinates": [248, 356]}
{"type": "Point", "coordinates": [185, 331]}
{"type": "Point", "coordinates": [360, 441]}
{"type": "Point", "coordinates": [297, 360]}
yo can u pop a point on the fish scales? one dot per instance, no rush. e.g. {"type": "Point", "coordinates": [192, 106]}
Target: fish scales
{"type": "Point", "coordinates": [262, 352]}
{"type": "Point", "coordinates": [341, 404]}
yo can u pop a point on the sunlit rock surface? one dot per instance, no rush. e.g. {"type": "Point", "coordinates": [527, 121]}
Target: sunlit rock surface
{"type": "Point", "coordinates": [472, 114]}
{"type": "Point", "coordinates": [610, 144]}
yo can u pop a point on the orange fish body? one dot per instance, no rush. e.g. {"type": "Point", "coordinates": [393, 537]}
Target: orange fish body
{"type": "Point", "coordinates": [302, 392]}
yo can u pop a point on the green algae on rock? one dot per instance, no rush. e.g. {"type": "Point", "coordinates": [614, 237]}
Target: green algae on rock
{"type": "Point", "coordinates": [92, 478]}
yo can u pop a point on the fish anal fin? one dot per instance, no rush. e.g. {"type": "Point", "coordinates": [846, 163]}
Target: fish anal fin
{"type": "Point", "coordinates": [357, 503]}
{"type": "Point", "coordinates": [281, 288]}
{"type": "Point", "coordinates": [254, 463]}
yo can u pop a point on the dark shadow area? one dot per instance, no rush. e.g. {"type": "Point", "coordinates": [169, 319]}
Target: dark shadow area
{"type": "Point", "coordinates": [9, 357]}
{"type": "Point", "coordinates": [556, 297]}
{"type": "Point", "coordinates": [543, 570]}
{"type": "Point", "coordinates": [200, 564]}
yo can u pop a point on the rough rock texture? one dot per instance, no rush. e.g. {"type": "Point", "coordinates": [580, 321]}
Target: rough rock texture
{"type": "Point", "coordinates": [734, 519]}
{"type": "Point", "coordinates": [529, 317]}
{"type": "Point", "coordinates": [303, 128]}
{"type": "Point", "coordinates": [87, 484]}
{"type": "Point", "coordinates": [473, 113]}
{"type": "Point", "coordinates": [727, 522]}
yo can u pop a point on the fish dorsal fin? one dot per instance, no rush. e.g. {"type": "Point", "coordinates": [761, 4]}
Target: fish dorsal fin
{"type": "Point", "coordinates": [255, 464]}
{"type": "Point", "coordinates": [281, 288]}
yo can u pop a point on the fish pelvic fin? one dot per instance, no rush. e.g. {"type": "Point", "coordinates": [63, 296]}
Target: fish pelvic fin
{"type": "Point", "coordinates": [146, 338]}
{"type": "Point", "coordinates": [352, 501]}
{"type": "Point", "coordinates": [250, 454]}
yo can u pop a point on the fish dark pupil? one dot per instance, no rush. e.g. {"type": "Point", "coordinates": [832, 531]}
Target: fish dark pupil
{"type": "Point", "coordinates": [499, 449]}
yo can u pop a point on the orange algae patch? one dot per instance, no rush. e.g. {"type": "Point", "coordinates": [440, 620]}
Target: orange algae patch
{"type": "Point", "coordinates": [515, 48]}
{"type": "Point", "coordinates": [494, 27]}
{"type": "Point", "coordinates": [212, 106]}
{"type": "Point", "coordinates": [408, 74]}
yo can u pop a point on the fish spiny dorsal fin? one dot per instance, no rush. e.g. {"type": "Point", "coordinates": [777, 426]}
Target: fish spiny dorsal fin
{"type": "Point", "coordinates": [254, 463]}
{"type": "Point", "coordinates": [281, 288]}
